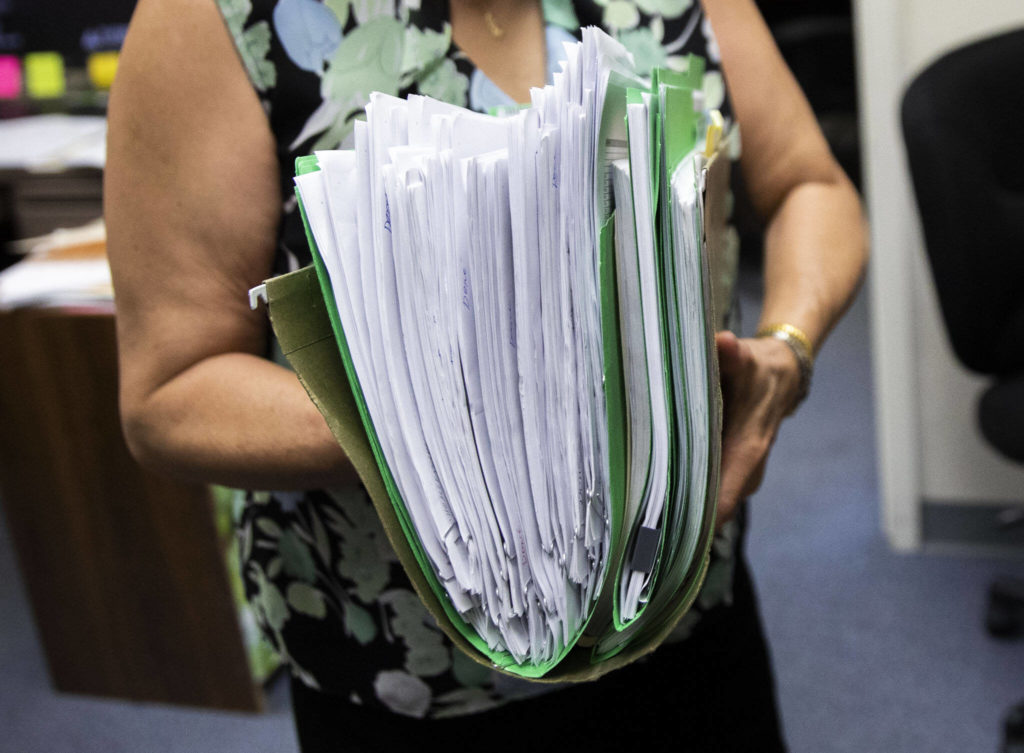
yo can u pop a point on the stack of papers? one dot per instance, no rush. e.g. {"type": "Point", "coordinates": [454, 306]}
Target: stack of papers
{"type": "Point", "coordinates": [523, 307]}
{"type": "Point", "coordinates": [53, 142]}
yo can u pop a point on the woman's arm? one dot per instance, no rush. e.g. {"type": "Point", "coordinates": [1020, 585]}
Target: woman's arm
{"type": "Point", "coordinates": [192, 206]}
{"type": "Point", "coordinates": [815, 244]}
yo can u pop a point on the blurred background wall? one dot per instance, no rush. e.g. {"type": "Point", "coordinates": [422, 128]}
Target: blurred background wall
{"type": "Point", "coordinates": [934, 466]}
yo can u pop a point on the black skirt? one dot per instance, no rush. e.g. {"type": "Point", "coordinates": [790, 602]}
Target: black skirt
{"type": "Point", "coordinates": [712, 693]}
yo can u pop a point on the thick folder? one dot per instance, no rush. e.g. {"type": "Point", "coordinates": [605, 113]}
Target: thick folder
{"type": "Point", "coordinates": [306, 318]}
{"type": "Point", "coordinates": [303, 328]}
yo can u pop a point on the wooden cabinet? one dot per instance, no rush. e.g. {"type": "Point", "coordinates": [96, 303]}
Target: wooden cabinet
{"type": "Point", "coordinates": [123, 568]}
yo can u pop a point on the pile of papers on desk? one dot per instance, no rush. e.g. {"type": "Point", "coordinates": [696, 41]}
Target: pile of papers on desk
{"type": "Point", "coordinates": [523, 308]}
{"type": "Point", "coordinates": [67, 269]}
{"type": "Point", "coordinates": [53, 142]}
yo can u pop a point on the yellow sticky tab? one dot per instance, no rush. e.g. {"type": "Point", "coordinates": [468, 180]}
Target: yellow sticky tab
{"type": "Point", "coordinates": [44, 75]}
{"type": "Point", "coordinates": [102, 66]}
{"type": "Point", "coordinates": [714, 134]}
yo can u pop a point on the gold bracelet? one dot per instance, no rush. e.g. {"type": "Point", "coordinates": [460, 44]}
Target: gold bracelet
{"type": "Point", "coordinates": [800, 344]}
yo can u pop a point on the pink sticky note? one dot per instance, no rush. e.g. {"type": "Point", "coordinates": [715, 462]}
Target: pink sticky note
{"type": "Point", "coordinates": [10, 77]}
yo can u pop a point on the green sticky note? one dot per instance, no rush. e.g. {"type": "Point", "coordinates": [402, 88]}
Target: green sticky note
{"type": "Point", "coordinates": [44, 75]}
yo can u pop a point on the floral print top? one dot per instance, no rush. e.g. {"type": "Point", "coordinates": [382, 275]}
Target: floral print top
{"type": "Point", "coordinates": [325, 586]}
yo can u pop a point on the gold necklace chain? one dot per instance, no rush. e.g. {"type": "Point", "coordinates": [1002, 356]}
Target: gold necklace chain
{"type": "Point", "coordinates": [492, 26]}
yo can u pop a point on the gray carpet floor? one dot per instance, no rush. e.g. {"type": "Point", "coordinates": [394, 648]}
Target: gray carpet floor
{"type": "Point", "coordinates": [874, 652]}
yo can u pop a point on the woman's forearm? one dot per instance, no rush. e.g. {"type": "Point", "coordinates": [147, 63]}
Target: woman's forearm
{"type": "Point", "coordinates": [238, 420]}
{"type": "Point", "coordinates": [815, 251]}
{"type": "Point", "coordinates": [815, 245]}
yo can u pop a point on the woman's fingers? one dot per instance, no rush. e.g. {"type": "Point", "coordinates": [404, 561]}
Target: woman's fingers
{"type": "Point", "coordinates": [759, 377]}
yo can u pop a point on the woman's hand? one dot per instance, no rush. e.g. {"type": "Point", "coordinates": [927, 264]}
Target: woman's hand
{"type": "Point", "coordinates": [760, 382]}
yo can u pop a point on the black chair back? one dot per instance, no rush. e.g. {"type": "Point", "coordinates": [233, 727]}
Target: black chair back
{"type": "Point", "coordinates": [963, 122]}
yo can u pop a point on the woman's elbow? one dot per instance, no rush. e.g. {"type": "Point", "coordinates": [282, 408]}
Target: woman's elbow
{"type": "Point", "coordinates": [146, 433]}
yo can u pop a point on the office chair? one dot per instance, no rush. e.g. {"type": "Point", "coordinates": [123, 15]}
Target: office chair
{"type": "Point", "coordinates": [965, 146]}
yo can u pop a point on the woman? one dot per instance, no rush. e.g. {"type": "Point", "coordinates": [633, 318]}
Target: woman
{"type": "Point", "coordinates": [206, 117]}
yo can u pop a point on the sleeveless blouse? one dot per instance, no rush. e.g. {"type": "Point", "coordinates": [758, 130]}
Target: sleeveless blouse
{"type": "Point", "coordinates": [325, 587]}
